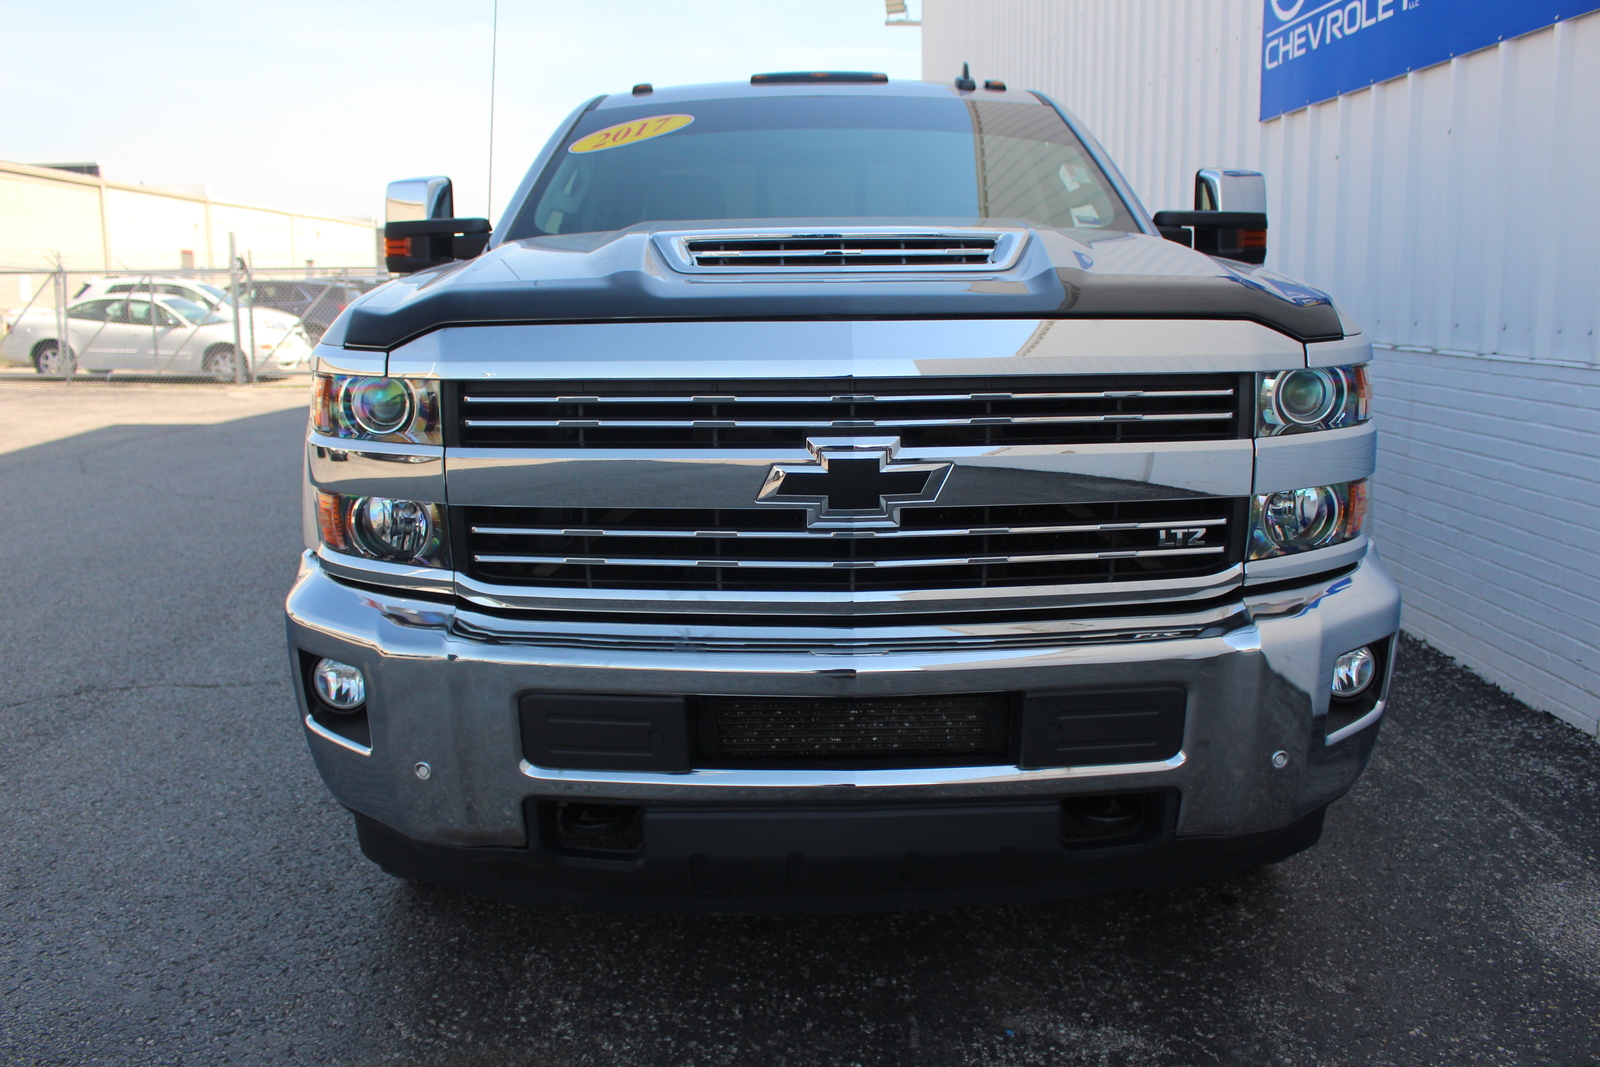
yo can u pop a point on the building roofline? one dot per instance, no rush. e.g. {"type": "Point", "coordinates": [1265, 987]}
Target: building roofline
{"type": "Point", "coordinates": [64, 177]}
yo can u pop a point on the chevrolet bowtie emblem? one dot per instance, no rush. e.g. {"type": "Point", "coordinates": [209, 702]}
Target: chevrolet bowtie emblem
{"type": "Point", "coordinates": [854, 482]}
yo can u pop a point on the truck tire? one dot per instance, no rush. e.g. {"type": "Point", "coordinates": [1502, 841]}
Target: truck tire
{"type": "Point", "coordinates": [47, 360]}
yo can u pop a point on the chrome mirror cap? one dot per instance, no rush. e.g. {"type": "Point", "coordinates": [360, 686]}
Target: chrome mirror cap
{"type": "Point", "coordinates": [1230, 189]}
{"type": "Point", "coordinates": [417, 199]}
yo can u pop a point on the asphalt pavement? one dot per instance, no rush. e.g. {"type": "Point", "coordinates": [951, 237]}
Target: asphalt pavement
{"type": "Point", "coordinates": [176, 887]}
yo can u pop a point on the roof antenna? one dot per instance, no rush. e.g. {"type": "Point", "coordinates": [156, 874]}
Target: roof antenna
{"type": "Point", "coordinates": [494, 54]}
{"type": "Point", "coordinates": [965, 82]}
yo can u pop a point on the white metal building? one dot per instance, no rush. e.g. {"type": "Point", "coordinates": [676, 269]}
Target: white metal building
{"type": "Point", "coordinates": [94, 224]}
{"type": "Point", "coordinates": [1453, 210]}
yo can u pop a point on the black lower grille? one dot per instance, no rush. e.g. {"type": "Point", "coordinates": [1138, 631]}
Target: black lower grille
{"type": "Point", "coordinates": [771, 548]}
{"type": "Point", "coordinates": [927, 731]}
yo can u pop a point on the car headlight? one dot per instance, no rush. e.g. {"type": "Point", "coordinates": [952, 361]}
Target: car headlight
{"type": "Point", "coordinates": [376, 409]}
{"type": "Point", "coordinates": [375, 527]}
{"type": "Point", "coordinates": [1313, 398]}
{"type": "Point", "coordinates": [1299, 520]}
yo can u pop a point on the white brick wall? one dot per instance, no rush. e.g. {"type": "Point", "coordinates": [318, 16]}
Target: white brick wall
{"type": "Point", "coordinates": [1488, 513]}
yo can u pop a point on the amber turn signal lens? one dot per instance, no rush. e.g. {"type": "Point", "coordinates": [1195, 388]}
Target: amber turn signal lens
{"type": "Point", "coordinates": [332, 523]}
{"type": "Point", "coordinates": [397, 246]}
{"type": "Point", "coordinates": [1247, 239]}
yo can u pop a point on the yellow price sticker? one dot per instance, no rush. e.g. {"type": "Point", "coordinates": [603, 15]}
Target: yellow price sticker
{"type": "Point", "coordinates": [630, 133]}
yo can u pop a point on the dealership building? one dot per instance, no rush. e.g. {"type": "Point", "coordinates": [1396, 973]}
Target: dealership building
{"type": "Point", "coordinates": [1432, 164]}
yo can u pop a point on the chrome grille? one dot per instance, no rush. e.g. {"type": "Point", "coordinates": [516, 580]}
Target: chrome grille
{"type": "Point", "coordinates": [771, 548]}
{"type": "Point", "coordinates": [922, 412]}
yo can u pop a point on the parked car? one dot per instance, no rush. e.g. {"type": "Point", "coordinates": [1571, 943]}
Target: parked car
{"type": "Point", "coordinates": [831, 493]}
{"type": "Point", "coordinates": [315, 302]}
{"type": "Point", "coordinates": [268, 320]}
{"type": "Point", "coordinates": [164, 334]}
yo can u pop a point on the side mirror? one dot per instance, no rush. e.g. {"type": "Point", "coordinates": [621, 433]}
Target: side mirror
{"type": "Point", "coordinates": [1229, 219]}
{"type": "Point", "coordinates": [420, 228]}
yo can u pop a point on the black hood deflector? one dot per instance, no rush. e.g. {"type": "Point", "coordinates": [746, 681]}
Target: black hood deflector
{"type": "Point", "coordinates": [630, 294]}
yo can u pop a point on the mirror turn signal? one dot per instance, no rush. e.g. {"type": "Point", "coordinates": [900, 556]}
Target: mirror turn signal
{"type": "Point", "coordinates": [422, 243]}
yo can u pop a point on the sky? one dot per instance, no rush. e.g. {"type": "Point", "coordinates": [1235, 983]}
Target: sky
{"type": "Point", "coordinates": [315, 106]}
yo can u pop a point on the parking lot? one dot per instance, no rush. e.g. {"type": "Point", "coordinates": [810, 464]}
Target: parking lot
{"type": "Point", "coordinates": [178, 887]}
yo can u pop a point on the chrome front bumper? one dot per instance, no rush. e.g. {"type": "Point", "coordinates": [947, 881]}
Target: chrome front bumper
{"type": "Point", "coordinates": [443, 687]}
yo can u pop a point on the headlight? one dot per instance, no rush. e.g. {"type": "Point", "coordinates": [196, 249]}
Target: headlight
{"type": "Point", "coordinates": [1299, 520]}
{"type": "Point", "coordinates": [374, 527]}
{"type": "Point", "coordinates": [376, 409]}
{"type": "Point", "coordinates": [377, 405]}
{"type": "Point", "coordinates": [1313, 398]}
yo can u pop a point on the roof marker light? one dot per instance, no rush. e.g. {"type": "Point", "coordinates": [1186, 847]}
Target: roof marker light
{"type": "Point", "coordinates": [797, 77]}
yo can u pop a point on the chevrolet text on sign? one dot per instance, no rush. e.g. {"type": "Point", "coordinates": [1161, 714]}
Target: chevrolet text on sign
{"type": "Point", "coordinates": [1312, 51]}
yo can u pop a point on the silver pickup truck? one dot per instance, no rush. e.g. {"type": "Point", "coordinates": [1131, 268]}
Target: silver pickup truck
{"type": "Point", "coordinates": [830, 493]}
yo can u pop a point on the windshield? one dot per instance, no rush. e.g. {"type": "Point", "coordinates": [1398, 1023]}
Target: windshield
{"type": "Point", "coordinates": [830, 157]}
{"type": "Point", "coordinates": [220, 294]}
{"type": "Point", "coordinates": [199, 316]}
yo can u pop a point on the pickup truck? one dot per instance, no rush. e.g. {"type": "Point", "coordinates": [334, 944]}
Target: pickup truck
{"type": "Point", "coordinates": [830, 493]}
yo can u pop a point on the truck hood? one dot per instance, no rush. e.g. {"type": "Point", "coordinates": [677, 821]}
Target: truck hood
{"type": "Point", "coordinates": [622, 276]}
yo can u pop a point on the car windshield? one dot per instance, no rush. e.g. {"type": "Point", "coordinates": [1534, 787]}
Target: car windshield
{"type": "Point", "coordinates": [822, 157]}
{"type": "Point", "coordinates": [194, 313]}
{"type": "Point", "coordinates": [220, 294]}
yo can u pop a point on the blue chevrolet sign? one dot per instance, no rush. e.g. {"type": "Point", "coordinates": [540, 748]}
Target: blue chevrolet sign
{"type": "Point", "coordinates": [1313, 50]}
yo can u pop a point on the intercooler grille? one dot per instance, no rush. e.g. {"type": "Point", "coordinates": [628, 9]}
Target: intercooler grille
{"type": "Point", "coordinates": [740, 731]}
{"type": "Point", "coordinates": [982, 412]}
{"type": "Point", "coordinates": [771, 548]}
{"type": "Point", "coordinates": [841, 251]}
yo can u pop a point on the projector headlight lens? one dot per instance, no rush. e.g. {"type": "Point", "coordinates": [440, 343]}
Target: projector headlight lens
{"type": "Point", "coordinates": [396, 410]}
{"type": "Point", "coordinates": [1313, 398]}
{"type": "Point", "coordinates": [378, 405]}
{"type": "Point", "coordinates": [1305, 397]}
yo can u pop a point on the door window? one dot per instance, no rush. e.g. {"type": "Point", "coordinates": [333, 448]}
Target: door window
{"type": "Point", "coordinates": [90, 310]}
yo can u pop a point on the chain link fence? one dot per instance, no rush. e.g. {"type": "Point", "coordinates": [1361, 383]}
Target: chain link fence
{"type": "Point", "coordinates": [241, 325]}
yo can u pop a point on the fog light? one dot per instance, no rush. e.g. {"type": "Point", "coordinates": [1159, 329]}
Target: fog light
{"type": "Point", "coordinates": [340, 685]}
{"type": "Point", "coordinates": [1353, 672]}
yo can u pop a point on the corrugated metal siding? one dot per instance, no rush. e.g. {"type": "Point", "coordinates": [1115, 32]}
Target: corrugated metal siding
{"type": "Point", "coordinates": [1451, 212]}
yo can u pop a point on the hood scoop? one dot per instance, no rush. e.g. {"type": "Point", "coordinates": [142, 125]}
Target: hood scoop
{"type": "Point", "coordinates": [840, 251]}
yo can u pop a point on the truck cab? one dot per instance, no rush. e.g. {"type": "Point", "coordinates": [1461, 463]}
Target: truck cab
{"type": "Point", "coordinates": [828, 493]}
